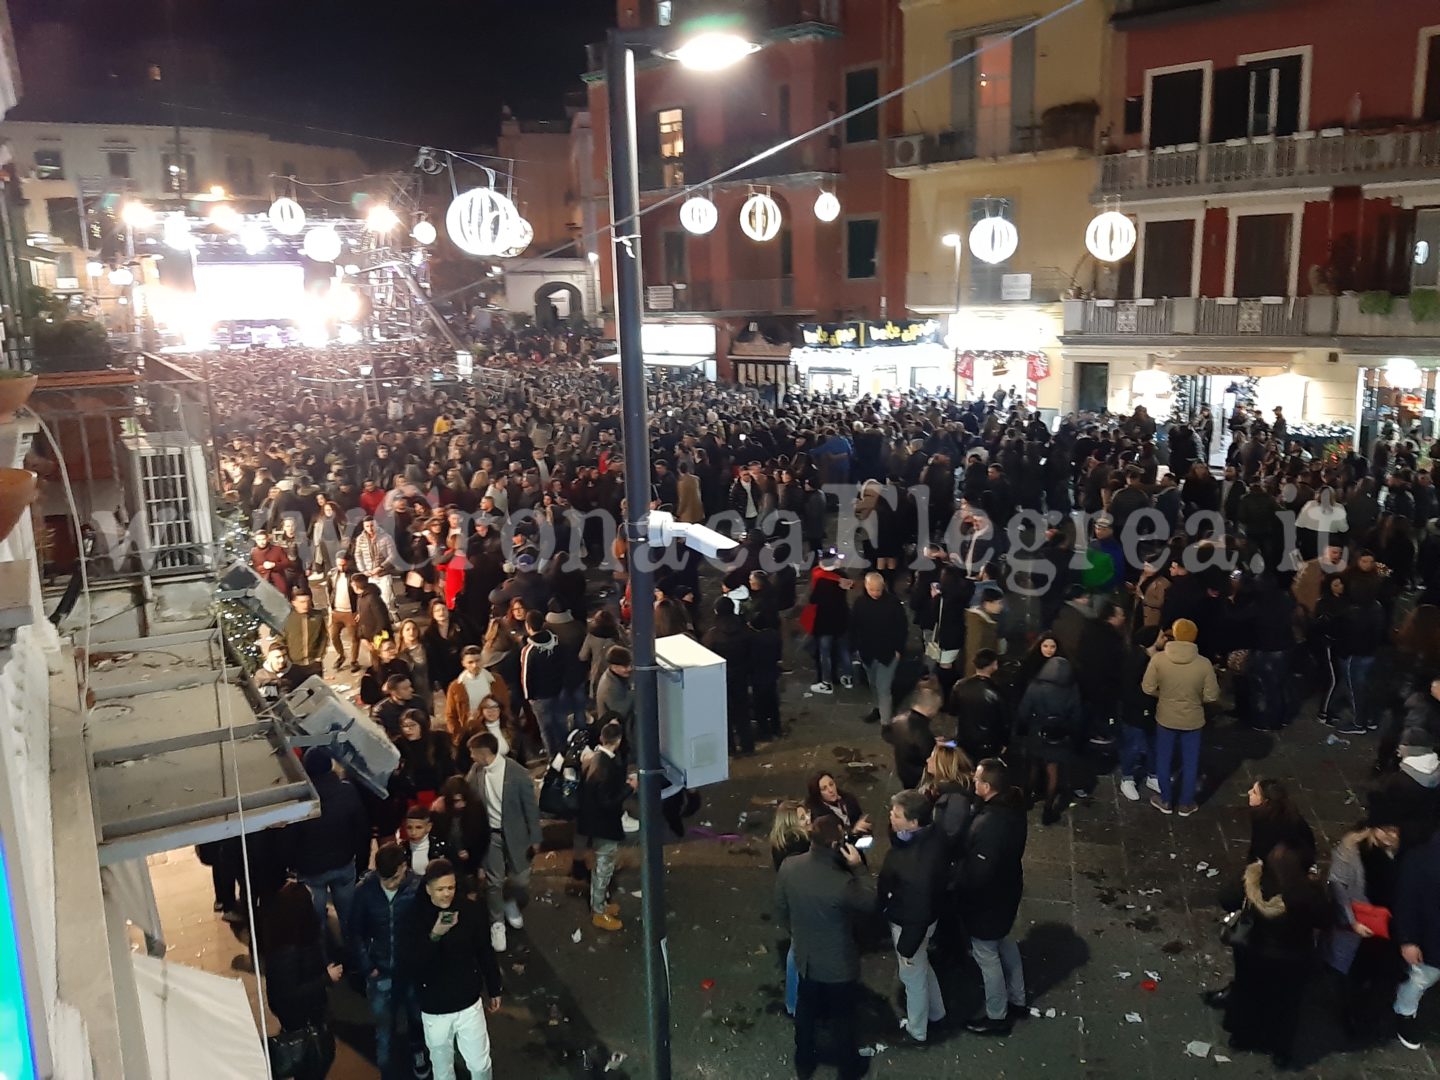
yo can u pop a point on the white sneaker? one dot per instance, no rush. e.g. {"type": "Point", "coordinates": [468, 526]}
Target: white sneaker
{"type": "Point", "coordinates": [1153, 783]}
{"type": "Point", "coordinates": [1128, 789]}
{"type": "Point", "coordinates": [821, 688]}
{"type": "Point", "coordinates": [628, 823]}
{"type": "Point", "coordinates": [513, 916]}
{"type": "Point", "coordinates": [497, 936]}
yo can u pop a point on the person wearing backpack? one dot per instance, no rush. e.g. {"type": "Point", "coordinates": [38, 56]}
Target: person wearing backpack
{"type": "Point", "coordinates": [604, 787]}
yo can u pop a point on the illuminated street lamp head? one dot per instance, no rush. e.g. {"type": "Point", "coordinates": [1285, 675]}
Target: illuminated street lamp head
{"type": "Point", "coordinates": [381, 219]}
{"type": "Point", "coordinates": [712, 42]}
{"type": "Point", "coordinates": [951, 240]}
{"type": "Point", "coordinates": [137, 215]}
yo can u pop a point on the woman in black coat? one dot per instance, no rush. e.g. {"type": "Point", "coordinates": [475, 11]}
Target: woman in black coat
{"type": "Point", "coordinates": [948, 600]}
{"type": "Point", "coordinates": [442, 641]}
{"type": "Point", "coordinates": [426, 760]}
{"type": "Point", "coordinates": [296, 975]}
{"type": "Point", "coordinates": [1046, 724]}
{"type": "Point", "coordinates": [463, 824]}
{"type": "Point", "coordinates": [825, 796]}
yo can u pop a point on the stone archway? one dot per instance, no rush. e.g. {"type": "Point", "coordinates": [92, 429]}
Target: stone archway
{"type": "Point", "coordinates": [548, 313]}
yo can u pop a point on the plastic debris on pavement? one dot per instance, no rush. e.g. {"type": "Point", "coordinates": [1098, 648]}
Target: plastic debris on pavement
{"type": "Point", "coordinates": [1201, 866]}
{"type": "Point", "coordinates": [1133, 1018]}
{"type": "Point", "coordinates": [1212, 872]}
{"type": "Point", "coordinates": [872, 1051]}
{"type": "Point", "coordinates": [1153, 975]}
{"type": "Point", "coordinates": [1336, 740]}
{"type": "Point", "coordinates": [1122, 974]}
{"type": "Point", "coordinates": [1196, 1048]}
{"type": "Point", "coordinates": [1049, 1014]}
{"type": "Point", "coordinates": [1222, 1059]}
{"type": "Point", "coordinates": [575, 937]}
{"type": "Point", "coordinates": [616, 1060]}
{"type": "Point", "coordinates": [1149, 985]}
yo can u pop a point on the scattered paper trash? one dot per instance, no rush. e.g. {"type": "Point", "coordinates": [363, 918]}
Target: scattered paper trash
{"type": "Point", "coordinates": [1034, 1011]}
{"type": "Point", "coordinates": [616, 1060]}
{"type": "Point", "coordinates": [1222, 1059]}
{"type": "Point", "coordinates": [1153, 975]}
{"type": "Point", "coordinates": [1049, 1014]}
{"type": "Point", "coordinates": [1212, 872]}
{"type": "Point", "coordinates": [1133, 1018]}
{"type": "Point", "coordinates": [1122, 974]}
{"type": "Point", "coordinates": [1195, 1048]}
{"type": "Point", "coordinates": [1201, 866]}
{"type": "Point", "coordinates": [1336, 740]}
{"type": "Point", "coordinates": [878, 1048]}
{"type": "Point", "coordinates": [575, 937]}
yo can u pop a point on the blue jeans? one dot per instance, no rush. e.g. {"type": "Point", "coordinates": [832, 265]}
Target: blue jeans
{"type": "Point", "coordinates": [792, 981]}
{"type": "Point", "coordinates": [551, 715]}
{"type": "Point", "coordinates": [829, 645]}
{"type": "Point", "coordinates": [1355, 671]}
{"type": "Point", "coordinates": [1133, 750]}
{"type": "Point", "coordinates": [881, 678]}
{"type": "Point", "coordinates": [337, 885]}
{"type": "Point", "coordinates": [1420, 979]}
{"type": "Point", "coordinates": [1166, 741]}
{"type": "Point", "coordinates": [386, 1003]}
{"type": "Point", "coordinates": [572, 707]}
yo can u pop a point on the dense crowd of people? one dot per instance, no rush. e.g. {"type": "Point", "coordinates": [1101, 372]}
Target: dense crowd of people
{"type": "Point", "coordinates": [1023, 607]}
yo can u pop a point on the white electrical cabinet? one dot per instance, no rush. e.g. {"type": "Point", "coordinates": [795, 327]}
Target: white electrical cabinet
{"type": "Point", "coordinates": [694, 742]}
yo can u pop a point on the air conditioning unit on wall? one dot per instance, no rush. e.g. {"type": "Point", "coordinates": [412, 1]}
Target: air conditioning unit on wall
{"type": "Point", "coordinates": [906, 150]}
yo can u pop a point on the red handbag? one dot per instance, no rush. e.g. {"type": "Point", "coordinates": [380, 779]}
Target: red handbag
{"type": "Point", "coordinates": [807, 618]}
{"type": "Point", "coordinates": [1373, 917]}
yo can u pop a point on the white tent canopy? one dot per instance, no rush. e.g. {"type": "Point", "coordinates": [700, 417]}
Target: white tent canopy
{"type": "Point", "coordinates": [197, 1024]}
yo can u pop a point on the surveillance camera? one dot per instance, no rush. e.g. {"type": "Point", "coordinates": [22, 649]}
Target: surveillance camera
{"type": "Point", "coordinates": [664, 530]}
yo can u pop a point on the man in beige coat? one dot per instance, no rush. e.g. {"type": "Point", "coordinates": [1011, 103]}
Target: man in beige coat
{"type": "Point", "coordinates": [688, 506]}
{"type": "Point", "coordinates": [1183, 684]}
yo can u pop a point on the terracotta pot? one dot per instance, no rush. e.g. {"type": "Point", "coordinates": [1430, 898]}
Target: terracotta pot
{"type": "Point", "coordinates": [13, 394]}
{"type": "Point", "coordinates": [17, 491]}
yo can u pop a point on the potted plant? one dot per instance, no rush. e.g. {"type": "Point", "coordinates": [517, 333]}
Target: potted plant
{"type": "Point", "coordinates": [17, 491]}
{"type": "Point", "coordinates": [15, 389]}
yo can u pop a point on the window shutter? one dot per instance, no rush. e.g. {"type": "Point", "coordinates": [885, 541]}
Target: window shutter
{"type": "Point", "coordinates": [1229, 103]}
{"type": "Point", "coordinates": [1022, 93]}
{"type": "Point", "coordinates": [962, 86]}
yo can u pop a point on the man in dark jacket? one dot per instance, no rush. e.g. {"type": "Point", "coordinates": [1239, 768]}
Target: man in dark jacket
{"type": "Point", "coordinates": [912, 737]}
{"type": "Point", "coordinates": [542, 682]}
{"type": "Point", "coordinates": [878, 628]}
{"type": "Point", "coordinates": [604, 788]}
{"type": "Point", "coordinates": [325, 851]}
{"type": "Point", "coordinates": [1097, 664]}
{"type": "Point", "coordinates": [1417, 931]}
{"type": "Point", "coordinates": [730, 639]}
{"type": "Point", "coordinates": [990, 882]}
{"type": "Point", "coordinates": [454, 971]}
{"type": "Point", "coordinates": [371, 614]}
{"type": "Point", "coordinates": [911, 879]}
{"type": "Point", "coordinates": [379, 921]}
{"type": "Point", "coordinates": [982, 713]}
{"type": "Point", "coordinates": [819, 896]}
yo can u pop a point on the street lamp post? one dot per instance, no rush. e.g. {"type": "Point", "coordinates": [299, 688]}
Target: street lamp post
{"type": "Point", "coordinates": [953, 240]}
{"type": "Point", "coordinates": [710, 44]}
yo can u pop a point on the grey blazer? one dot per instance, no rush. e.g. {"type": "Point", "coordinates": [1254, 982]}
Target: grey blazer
{"type": "Point", "coordinates": [818, 899]}
{"type": "Point", "coordinates": [519, 810]}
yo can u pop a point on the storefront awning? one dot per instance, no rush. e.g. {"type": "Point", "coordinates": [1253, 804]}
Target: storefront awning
{"type": "Point", "coordinates": [196, 1023]}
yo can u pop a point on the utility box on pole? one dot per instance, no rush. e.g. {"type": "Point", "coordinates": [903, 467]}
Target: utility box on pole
{"type": "Point", "coordinates": [694, 740]}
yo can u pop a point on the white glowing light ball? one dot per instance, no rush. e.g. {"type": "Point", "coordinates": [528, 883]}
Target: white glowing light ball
{"type": "Point", "coordinates": [423, 233]}
{"type": "Point", "coordinates": [381, 219]}
{"type": "Point", "coordinates": [122, 276]}
{"type": "Point", "coordinates": [177, 235]}
{"type": "Point", "coordinates": [1402, 373]}
{"type": "Point", "coordinates": [993, 240]}
{"type": "Point", "coordinates": [322, 244]}
{"type": "Point", "coordinates": [287, 216]}
{"type": "Point", "coordinates": [698, 215]}
{"type": "Point", "coordinates": [521, 233]}
{"type": "Point", "coordinates": [481, 222]}
{"type": "Point", "coordinates": [254, 239]}
{"type": "Point", "coordinates": [760, 217]}
{"type": "Point", "coordinates": [1111, 236]}
{"type": "Point", "coordinates": [827, 206]}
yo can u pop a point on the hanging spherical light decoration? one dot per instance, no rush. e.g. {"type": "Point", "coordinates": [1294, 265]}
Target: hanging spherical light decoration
{"type": "Point", "coordinates": [698, 215]}
{"type": "Point", "coordinates": [827, 206]}
{"type": "Point", "coordinates": [519, 239]}
{"type": "Point", "coordinates": [287, 217]}
{"type": "Point", "coordinates": [1111, 236]}
{"type": "Point", "coordinates": [481, 222]}
{"type": "Point", "coordinates": [993, 240]}
{"type": "Point", "coordinates": [423, 233]}
{"type": "Point", "coordinates": [760, 217]}
{"type": "Point", "coordinates": [321, 244]}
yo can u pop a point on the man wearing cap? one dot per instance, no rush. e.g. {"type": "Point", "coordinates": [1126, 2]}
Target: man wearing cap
{"type": "Point", "coordinates": [1183, 684]}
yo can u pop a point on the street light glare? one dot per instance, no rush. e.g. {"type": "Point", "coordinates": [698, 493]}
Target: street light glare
{"type": "Point", "coordinates": [714, 50]}
{"type": "Point", "coordinates": [381, 219]}
{"type": "Point", "coordinates": [951, 240]}
{"type": "Point", "coordinates": [137, 215]}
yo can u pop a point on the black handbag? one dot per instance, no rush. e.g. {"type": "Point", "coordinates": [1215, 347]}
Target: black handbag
{"type": "Point", "coordinates": [291, 1052]}
{"type": "Point", "coordinates": [1236, 927]}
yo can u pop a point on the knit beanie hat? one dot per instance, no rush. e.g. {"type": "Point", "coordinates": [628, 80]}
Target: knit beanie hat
{"type": "Point", "coordinates": [1184, 630]}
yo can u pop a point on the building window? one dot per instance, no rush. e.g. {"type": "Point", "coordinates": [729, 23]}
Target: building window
{"type": "Point", "coordinates": [787, 253]}
{"type": "Point", "coordinates": [992, 95]}
{"type": "Point", "coordinates": [862, 248]}
{"type": "Point", "coordinates": [673, 241]}
{"type": "Point", "coordinates": [1262, 255]}
{"type": "Point", "coordinates": [1169, 254]}
{"type": "Point", "coordinates": [861, 88]}
{"type": "Point", "coordinates": [1176, 103]}
{"type": "Point", "coordinates": [1430, 88]}
{"type": "Point", "coordinates": [1258, 98]}
{"type": "Point", "coordinates": [179, 174]}
{"type": "Point", "coordinates": [49, 165]}
{"type": "Point", "coordinates": [670, 129]}
{"type": "Point", "coordinates": [117, 162]}
{"type": "Point", "coordinates": [664, 12]}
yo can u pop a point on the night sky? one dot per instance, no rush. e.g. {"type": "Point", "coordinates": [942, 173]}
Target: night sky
{"type": "Point", "coordinates": [423, 71]}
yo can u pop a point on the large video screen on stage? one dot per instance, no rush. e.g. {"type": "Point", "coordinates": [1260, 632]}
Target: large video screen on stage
{"type": "Point", "coordinates": [250, 291]}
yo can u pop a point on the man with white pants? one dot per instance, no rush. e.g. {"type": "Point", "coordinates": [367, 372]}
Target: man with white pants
{"type": "Point", "coordinates": [454, 972]}
{"type": "Point", "coordinates": [377, 559]}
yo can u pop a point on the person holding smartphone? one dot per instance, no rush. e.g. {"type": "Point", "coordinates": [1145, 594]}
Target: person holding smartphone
{"type": "Point", "coordinates": [819, 898]}
{"type": "Point", "coordinates": [454, 972]}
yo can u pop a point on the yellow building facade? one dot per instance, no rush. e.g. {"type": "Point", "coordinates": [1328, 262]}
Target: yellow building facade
{"type": "Point", "coordinates": [1010, 131]}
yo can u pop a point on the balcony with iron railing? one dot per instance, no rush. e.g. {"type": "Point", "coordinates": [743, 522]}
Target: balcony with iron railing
{"type": "Point", "coordinates": [700, 163]}
{"type": "Point", "coordinates": [754, 296]}
{"type": "Point", "coordinates": [1301, 320]}
{"type": "Point", "coordinates": [1329, 158]}
{"type": "Point", "coordinates": [1062, 127]}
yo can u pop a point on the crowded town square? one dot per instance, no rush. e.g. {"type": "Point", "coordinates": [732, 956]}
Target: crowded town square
{"type": "Point", "coordinates": [720, 539]}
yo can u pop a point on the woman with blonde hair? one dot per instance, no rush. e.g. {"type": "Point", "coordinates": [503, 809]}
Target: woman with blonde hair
{"type": "Point", "coordinates": [950, 783]}
{"type": "Point", "coordinates": [790, 835]}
